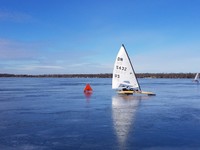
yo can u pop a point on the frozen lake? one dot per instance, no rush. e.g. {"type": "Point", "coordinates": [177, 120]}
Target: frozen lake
{"type": "Point", "coordinates": [54, 113]}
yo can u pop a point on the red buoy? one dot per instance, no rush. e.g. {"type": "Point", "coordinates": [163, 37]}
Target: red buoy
{"type": "Point", "coordinates": [87, 89]}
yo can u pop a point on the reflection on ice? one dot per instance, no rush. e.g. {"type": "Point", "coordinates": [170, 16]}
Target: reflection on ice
{"type": "Point", "coordinates": [87, 96]}
{"type": "Point", "coordinates": [123, 113]}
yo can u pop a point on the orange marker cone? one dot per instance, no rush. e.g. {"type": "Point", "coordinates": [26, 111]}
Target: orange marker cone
{"type": "Point", "coordinates": [87, 88]}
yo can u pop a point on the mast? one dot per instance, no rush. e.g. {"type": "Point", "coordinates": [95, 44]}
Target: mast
{"type": "Point", "coordinates": [132, 67]}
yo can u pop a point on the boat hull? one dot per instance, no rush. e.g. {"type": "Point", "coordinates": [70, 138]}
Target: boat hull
{"type": "Point", "coordinates": [136, 92]}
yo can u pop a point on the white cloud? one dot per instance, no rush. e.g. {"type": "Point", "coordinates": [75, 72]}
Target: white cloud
{"type": "Point", "coordinates": [16, 50]}
{"type": "Point", "coordinates": [30, 67]}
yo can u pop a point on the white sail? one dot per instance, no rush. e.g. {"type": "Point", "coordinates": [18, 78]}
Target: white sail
{"type": "Point", "coordinates": [196, 77]}
{"type": "Point", "coordinates": [123, 73]}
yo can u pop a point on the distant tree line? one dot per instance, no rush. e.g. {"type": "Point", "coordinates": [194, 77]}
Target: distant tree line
{"type": "Point", "coordinates": [105, 75]}
{"type": "Point", "coordinates": [166, 75]}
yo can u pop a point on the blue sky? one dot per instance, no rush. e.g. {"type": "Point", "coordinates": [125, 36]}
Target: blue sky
{"type": "Point", "coordinates": [84, 36]}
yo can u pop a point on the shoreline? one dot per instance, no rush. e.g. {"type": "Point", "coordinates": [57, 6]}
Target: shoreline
{"type": "Point", "coordinates": [102, 75]}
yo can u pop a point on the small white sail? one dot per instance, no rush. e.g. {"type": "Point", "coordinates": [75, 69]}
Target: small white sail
{"type": "Point", "coordinates": [123, 72]}
{"type": "Point", "coordinates": [196, 77]}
